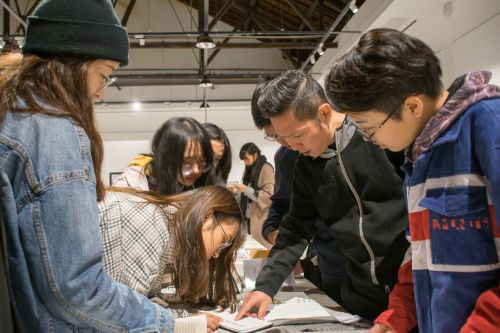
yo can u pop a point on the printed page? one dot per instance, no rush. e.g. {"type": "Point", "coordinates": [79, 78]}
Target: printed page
{"type": "Point", "coordinates": [245, 325]}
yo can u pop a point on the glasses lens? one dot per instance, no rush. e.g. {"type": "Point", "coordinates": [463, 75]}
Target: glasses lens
{"type": "Point", "coordinates": [270, 137]}
{"type": "Point", "coordinates": [187, 170]}
{"type": "Point", "coordinates": [108, 80]}
{"type": "Point", "coordinates": [224, 246]}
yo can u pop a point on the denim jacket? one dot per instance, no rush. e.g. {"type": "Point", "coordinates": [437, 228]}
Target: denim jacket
{"type": "Point", "coordinates": [55, 249]}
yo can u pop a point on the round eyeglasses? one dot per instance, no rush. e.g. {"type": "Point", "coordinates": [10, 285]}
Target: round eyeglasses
{"type": "Point", "coordinates": [107, 81]}
{"type": "Point", "coordinates": [188, 167]}
{"type": "Point", "coordinates": [365, 132]}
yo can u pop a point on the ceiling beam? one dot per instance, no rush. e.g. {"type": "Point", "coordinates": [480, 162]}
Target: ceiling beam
{"type": "Point", "coordinates": [215, 52]}
{"type": "Point", "coordinates": [128, 11]}
{"type": "Point", "coordinates": [287, 54]}
{"type": "Point", "coordinates": [28, 13]}
{"type": "Point", "coordinates": [6, 18]}
{"type": "Point", "coordinates": [306, 65]}
{"type": "Point", "coordinates": [299, 12]}
{"type": "Point", "coordinates": [13, 13]}
{"type": "Point", "coordinates": [220, 13]}
{"type": "Point", "coordinates": [309, 13]}
{"type": "Point", "coordinates": [226, 45]}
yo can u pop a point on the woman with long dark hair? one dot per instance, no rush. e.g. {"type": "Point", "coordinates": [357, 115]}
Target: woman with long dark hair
{"type": "Point", "coordinates": [181, 160]}
{"type": "Point", "coordinates": [51, 156]}
{"type": "Point", "coordinates": [222, 152]}
{"type": "Point", "coordinates": [192, 237]}
{"type": "Point", "coordinates": [256, 189]}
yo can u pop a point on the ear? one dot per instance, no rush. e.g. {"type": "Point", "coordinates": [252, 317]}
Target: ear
{"type": "Point", "coordinates": [416, 105]}
{"type": "Point", "coordinates": [325, 113]}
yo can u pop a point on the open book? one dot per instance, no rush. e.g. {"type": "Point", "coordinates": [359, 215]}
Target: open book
{"type": "Point", "coordinates": [294, 311]}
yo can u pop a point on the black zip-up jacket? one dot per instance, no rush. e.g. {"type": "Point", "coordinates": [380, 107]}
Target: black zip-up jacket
{"type": "Point", "coordinates": [358, 194]}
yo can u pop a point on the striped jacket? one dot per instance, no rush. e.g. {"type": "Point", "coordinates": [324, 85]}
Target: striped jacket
{"type": "Point", "coordinates": [453, 193]}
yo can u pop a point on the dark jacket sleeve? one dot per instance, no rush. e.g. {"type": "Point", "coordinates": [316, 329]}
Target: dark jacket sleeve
{"type": "Point", "coordinates": [295, 232]}
{"type": "Point", "coordinates": [278, 209]}
{"type": "Point", "coordinates": [284, 160]}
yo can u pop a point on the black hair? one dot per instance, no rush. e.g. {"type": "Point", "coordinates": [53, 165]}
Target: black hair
{"type": "Point", "coordinates": [224, 166]}
{"type": "Point", "coordinates": [259, 120]}
{"type": "Point", "coordinates": [169, 143]}
{"type": "Point", "coordinates": [293, 91]}
{"type": "Point", "coordinates": [384, 68]}
{"type": "Point", "coordinates": [252, 172]}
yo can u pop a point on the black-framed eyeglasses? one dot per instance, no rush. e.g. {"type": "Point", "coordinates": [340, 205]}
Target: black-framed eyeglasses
{"type": "Point", "coordinates": [227, 241]}
{"type": "Point", "coordinates": [107, 81]}
{"type": "Point", "coordinates": [188, 167]}
{"type": "Point", "coordinates": [363, 131]}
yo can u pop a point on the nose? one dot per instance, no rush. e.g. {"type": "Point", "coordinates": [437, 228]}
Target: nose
{"type": "Point", "coordinates": [99, 94]}
{"type": "Point", "coordinates": [196, 169]}
{"type": "Point", "coordinates": [294, 145]}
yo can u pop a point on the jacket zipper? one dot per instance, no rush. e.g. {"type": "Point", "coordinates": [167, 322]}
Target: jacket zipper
{"type": "Point", "coordinates": [361, 215]}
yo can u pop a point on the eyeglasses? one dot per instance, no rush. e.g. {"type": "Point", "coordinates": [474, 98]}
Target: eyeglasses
{"type": "Point", "coordinates": [270, 137]}
{"type": "Point", "coordinates": [364, 131]}
{"type": "Point", "coordinates": [107, 81]}
{"type": "Point", "coordinates": [227, 242]}
{"type": "Point", "coordinates": [188, 167]}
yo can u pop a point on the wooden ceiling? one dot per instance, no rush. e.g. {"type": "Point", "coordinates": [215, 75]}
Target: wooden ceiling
{"type": "Point", "coordinates": [281, 16]}
{"type": "Point", "coordinates": [295, 27]}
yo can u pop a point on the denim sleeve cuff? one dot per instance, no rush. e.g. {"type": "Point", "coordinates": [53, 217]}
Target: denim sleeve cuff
{"type": "Point", "coordinates": [166, 319]}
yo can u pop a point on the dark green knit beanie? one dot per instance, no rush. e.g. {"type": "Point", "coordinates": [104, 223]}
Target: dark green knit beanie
{"type": "Point", "coordinates": [79, 28]}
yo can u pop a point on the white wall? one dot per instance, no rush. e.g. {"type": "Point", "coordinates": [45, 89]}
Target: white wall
{"type": "Point", "coordinates": [127, 132]}
{"type": "Point", "coordinates": [466, 39]}
{"type": "Point", "coordinates": [117, 155]}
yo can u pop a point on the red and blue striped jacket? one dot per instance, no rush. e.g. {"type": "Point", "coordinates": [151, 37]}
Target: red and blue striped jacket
{"type": "Point", "coordinates": [451, 280]}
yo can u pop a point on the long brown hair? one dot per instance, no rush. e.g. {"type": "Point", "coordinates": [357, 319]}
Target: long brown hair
{"type": "Point", "coordinates": [196, 278]}
{"type": "Point", "coordinates": [55, 86]}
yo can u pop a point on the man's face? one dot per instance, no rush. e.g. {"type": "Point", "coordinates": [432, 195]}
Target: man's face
{"type": "Point", "coordinates": [309, 137]}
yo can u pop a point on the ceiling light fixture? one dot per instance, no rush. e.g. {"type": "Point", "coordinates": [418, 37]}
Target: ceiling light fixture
{"type": "Point", "coordinates": [353, 6]}
{"type": "Point", "coordinates": [205, 82]}
{"type": "Point", "coordinates": [205, 42]}
{"type": "Point", "coordinates": [136, 106]}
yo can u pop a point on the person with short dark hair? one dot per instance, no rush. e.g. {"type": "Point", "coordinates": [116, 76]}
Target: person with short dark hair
{"type": "Point", "coordinates": [51, 157]}
{"type": "Point", "coordinates": [181, 160]}
{"type": "Point", "coordinates": [221, 148]}
{"type": "Point", "coordinates": [284, 162]}
{"type": "Point", "coordinates": [452, 140]}
{"type": "Point", "coordinates": [349, 186]}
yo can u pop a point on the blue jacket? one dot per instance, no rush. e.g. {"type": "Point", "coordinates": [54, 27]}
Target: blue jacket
{"type": "Point", "coordinates": [453, 191]}
{"type": "Point", "coordinates": [55, 248]}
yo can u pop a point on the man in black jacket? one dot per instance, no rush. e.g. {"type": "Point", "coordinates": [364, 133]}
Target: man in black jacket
{"type": "Point", "coordinates": [349, 185]}
{"type": "Point", "coordinates": [328, 271]}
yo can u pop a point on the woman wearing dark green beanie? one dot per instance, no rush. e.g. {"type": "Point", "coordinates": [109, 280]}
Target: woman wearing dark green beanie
{"type": "Point", "coordinates": [50, 174]}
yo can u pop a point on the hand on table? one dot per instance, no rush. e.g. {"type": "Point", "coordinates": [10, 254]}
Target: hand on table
{"type": "Point", "coordinates": [379, 328]}
{"type": "Point", "coordinates": [254, 301]}
{"type": "Point", "coordinates": [213, 321]}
